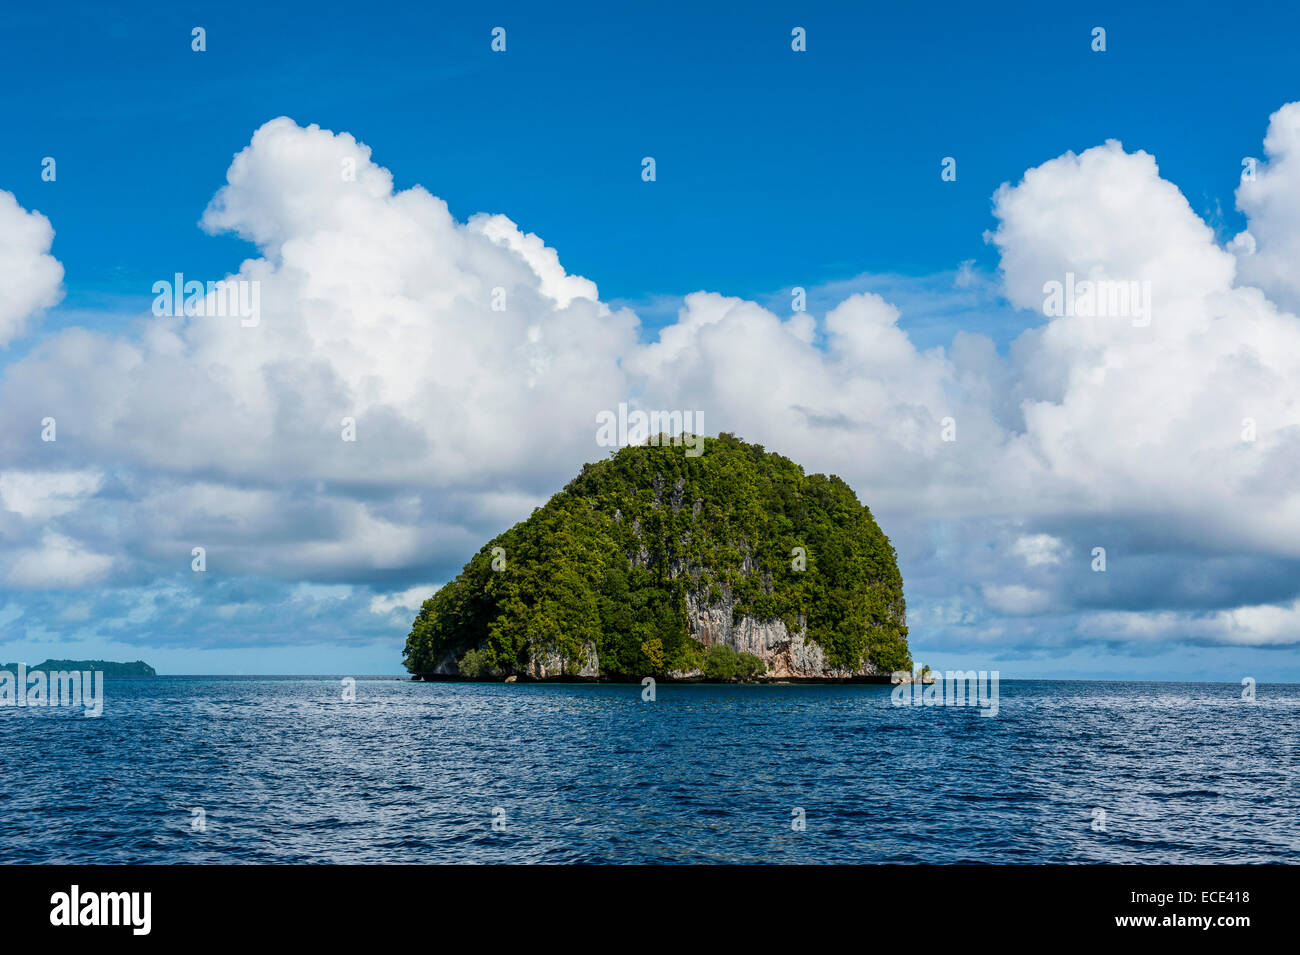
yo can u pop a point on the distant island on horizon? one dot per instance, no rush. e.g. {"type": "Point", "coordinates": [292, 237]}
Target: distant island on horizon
{"type": "Point", "coordinates": [111, 669]}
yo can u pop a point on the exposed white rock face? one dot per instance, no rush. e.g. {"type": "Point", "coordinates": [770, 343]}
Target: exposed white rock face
{"type": "Point", "coordinates": [550, 665]}
{"type": "Point", "coordinates": [907, 676]}
{"type": "Point", "coordinates": [787, 655]}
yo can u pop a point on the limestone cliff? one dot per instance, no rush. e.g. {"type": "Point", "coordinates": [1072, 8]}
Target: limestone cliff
{"type": "Point", "coordinates": [786, 654]}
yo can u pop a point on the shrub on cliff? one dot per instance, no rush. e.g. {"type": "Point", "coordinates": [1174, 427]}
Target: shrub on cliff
{"type": "Point", "coordinates": [723, 663]}
{"type": "Point", "coordinates": [473, 665]}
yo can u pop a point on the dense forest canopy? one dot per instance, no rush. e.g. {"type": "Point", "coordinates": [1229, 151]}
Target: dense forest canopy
{"type": "Point", "coordinates": [608, 562]}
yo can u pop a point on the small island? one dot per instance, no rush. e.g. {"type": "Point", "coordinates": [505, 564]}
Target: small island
{"type": "Point", "coordinates": [727, 565]}
{"type": "Point", "coordinates": [110, 669]}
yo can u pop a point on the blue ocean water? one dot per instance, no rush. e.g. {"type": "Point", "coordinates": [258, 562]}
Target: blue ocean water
{"type": "Point", "coordinates": [284, 770]}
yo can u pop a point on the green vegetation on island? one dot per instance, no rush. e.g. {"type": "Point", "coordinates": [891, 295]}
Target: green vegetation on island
{"type": "Point", "coordinates": [628, 570]}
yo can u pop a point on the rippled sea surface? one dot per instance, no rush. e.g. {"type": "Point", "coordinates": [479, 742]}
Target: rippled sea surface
{"type": "Point", "coordinates": [284, 770]}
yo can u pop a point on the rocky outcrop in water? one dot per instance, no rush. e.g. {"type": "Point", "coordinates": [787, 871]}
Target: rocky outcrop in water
{"type": "Point", "coordinates": [730, 564]}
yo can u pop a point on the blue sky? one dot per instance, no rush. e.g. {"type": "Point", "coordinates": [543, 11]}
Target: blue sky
{"type": "Point", "coordinates": [774, 170]}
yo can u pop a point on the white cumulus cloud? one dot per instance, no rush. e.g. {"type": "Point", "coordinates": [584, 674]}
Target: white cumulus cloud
{"type": "Point", "coordinates": [30, 278]}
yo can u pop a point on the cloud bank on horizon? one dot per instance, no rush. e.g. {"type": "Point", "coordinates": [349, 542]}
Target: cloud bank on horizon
{"type": "Point", "coordinates": [474, 367]}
